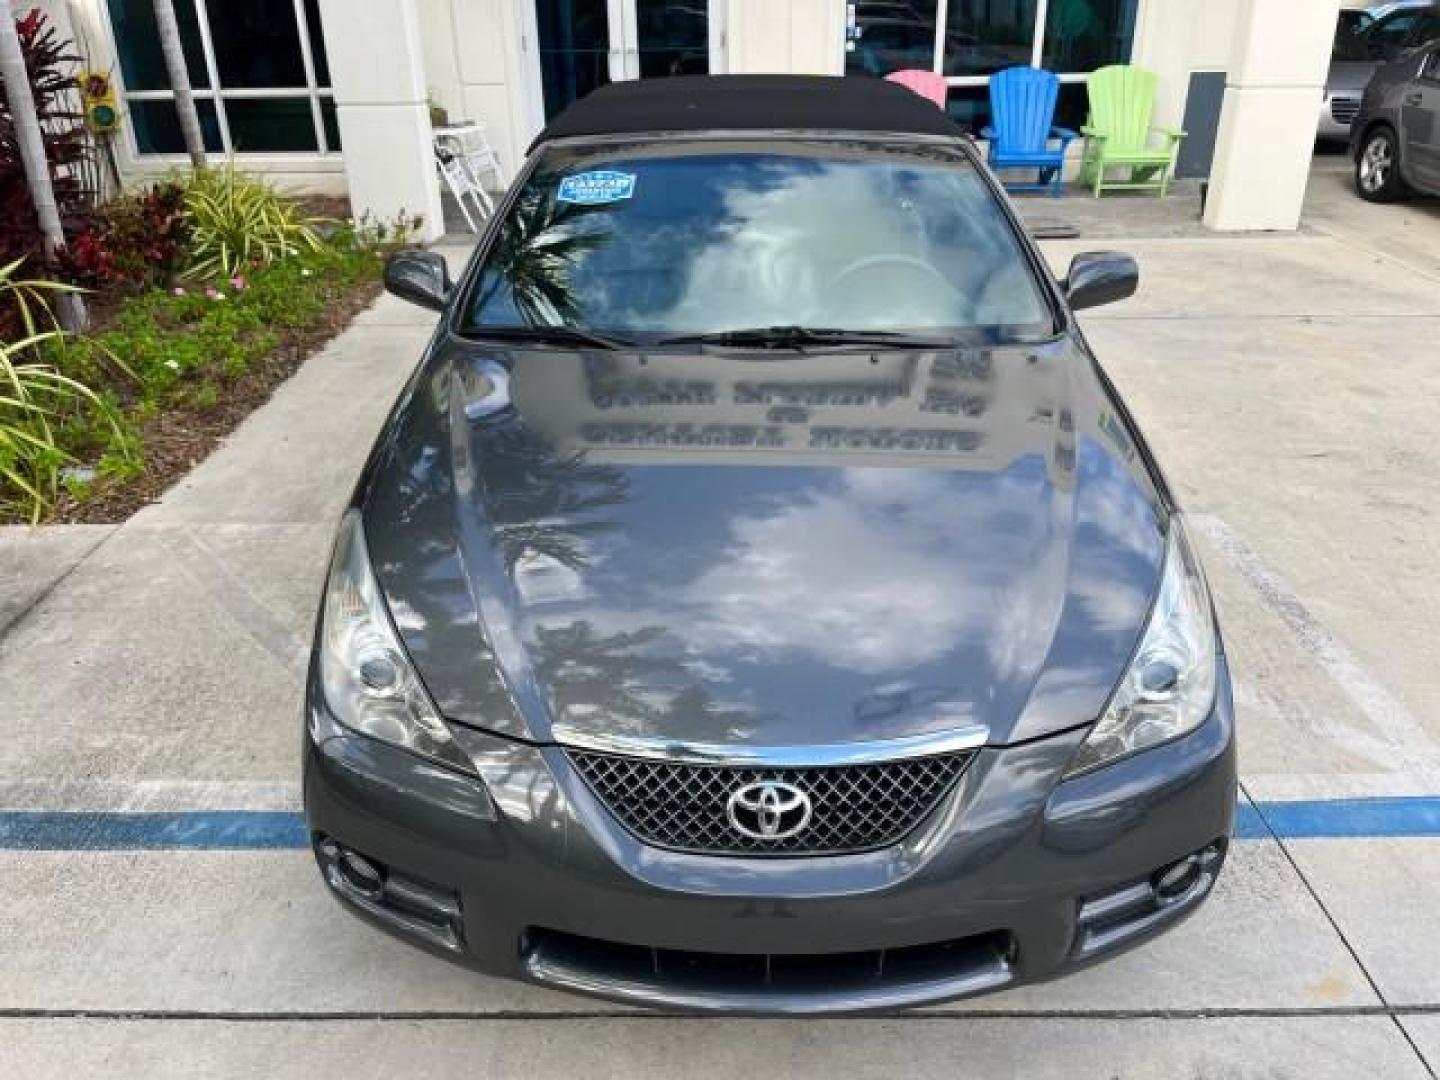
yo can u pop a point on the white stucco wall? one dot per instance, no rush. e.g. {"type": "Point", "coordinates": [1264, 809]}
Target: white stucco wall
{"type": "Point", "coordinates": [377, 67]}
{"type": "Point", "coordinates": [477, 55]}
{"type": "Point", "coordinates": [776, 36]}
{"type": "Point", "coordinates": [476, 67]}
{"type": "Point", "coordinates": [1174, 38]}
{"type": "Point", "coordinates": [1279, 56]}
{"type": "Point", "coordinates": [57, 10]}
{"type": "Point", "coordinates": [475, 60]}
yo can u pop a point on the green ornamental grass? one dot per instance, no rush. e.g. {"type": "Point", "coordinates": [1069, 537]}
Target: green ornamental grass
{"type": "Point", "coordinates": [257, 275]}
{"type": "Point", "coordinates": [38, 401]}
{"type": "Point", "coordinates": [238, 221]}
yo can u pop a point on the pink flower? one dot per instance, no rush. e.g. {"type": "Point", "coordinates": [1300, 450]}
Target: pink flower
{"type": "Point", "coordinates": [178, 291]}
{"type": "Point", "coordinates": [238, 281]}
{"type": "Point", "coordinates": [211, 292]}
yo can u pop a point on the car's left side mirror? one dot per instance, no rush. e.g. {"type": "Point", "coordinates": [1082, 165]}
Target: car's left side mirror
{"type": "Point", "coordinates": [422, 277]}
{"type": "Point", "coordinates": [1100, 277]}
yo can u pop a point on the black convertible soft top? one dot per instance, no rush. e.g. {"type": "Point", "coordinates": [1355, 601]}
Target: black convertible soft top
{"type": "Point", "coordinates": [750, 102]}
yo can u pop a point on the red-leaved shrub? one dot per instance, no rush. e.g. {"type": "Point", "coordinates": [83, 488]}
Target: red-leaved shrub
{"type": "Point", "coordinates": [135, 242]}
{"type": "Point", "coordinates": [51, 62]}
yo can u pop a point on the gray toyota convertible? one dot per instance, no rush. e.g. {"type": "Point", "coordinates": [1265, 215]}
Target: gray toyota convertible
{"type": "Point", "coordinates": [759, 599]}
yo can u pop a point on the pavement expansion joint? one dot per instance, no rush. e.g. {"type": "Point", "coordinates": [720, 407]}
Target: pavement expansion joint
{"type": "Point", "coordinates": [510, 1015]}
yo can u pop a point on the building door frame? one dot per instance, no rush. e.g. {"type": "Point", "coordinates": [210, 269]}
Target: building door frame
{"type": "Point", "coordinates": [624, 50]}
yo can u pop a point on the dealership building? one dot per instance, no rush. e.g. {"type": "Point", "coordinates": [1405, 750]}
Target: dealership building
{"type": "Point", "coordinates": [336, 95]}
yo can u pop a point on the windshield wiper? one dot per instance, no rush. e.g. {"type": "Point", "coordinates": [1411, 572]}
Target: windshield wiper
{"type": "Point", "coordinates": [549, 335]}
{"type": "Point", "coordinates": [801, 337]}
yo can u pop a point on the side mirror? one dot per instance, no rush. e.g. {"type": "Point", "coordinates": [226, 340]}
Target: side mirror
{"type": "Point", "coordinates": [1100, 277]}
{"type": "Point", "coordinates": [421, 277]}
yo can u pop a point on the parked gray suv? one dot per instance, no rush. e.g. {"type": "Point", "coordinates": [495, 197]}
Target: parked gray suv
{"type": "Point", "coordinates": [1396, 138]}
{"type": "Point", "coordinates": [1356, 57]}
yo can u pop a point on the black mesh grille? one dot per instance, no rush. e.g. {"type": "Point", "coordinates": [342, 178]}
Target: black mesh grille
{"type": "Point", "coordinates": [854, 807]}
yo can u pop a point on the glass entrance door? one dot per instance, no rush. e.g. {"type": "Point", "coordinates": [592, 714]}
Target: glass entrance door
{"type": "Point", "coordinates": [573, 46]}
{"type": "Point", "coordinates": [666, 37]}
{"type": "Point", "coordinates": [584, 44]}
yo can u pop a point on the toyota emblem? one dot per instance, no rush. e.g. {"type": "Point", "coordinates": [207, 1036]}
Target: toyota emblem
{"type": "Point", "coordinates": [768, 810]}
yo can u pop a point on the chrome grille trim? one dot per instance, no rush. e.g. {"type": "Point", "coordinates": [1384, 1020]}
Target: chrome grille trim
{"type": "Point", "coordinates": [1344, 109]}
{"type": "Point", "coordinates": [933, 744]}
{"type": "Point", "coordinates": [681, 806]}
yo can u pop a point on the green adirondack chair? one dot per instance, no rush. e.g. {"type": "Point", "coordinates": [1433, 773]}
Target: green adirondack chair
{"type": "Point", "coordinates": [1119, 135]}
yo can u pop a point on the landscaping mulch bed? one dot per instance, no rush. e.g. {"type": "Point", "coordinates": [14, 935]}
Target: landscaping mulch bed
{"type": "Point", "coordinates": [179, 437]}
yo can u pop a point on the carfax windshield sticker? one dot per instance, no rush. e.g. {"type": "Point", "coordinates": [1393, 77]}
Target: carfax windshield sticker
{"type": "Point", "coordinates": [596, 188]}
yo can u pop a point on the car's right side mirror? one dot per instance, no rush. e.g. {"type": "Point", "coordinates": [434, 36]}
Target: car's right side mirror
{"type": "Point", "coordinates": [1100, 277]}
{"type": "Point", "coordinates": [422, 277]}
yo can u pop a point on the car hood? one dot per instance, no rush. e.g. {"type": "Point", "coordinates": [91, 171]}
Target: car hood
{"type": "Point", "coordinates": [765, 550]}
{"type": "Point", "coordinates": [1349, 77]}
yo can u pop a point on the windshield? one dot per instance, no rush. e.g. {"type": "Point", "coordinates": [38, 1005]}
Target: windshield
{"type": "Point", "coordinates": [1348, 24]}
{"type": "Point", "coordinates": [656, 240]}
{"type": "Point", "coordinates": [1381, 40]}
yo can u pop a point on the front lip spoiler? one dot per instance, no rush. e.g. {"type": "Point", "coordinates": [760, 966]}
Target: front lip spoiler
{"type": "Point", "coordinates": [985, 967]}
{"type": "Point", "coordinates": [954, 740]}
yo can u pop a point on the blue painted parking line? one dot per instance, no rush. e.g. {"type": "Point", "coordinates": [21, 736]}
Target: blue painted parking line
{"type": "Point", "coordinates": [236, 830]}
{"type": "Point", "coordinates": [1337, 819]}
{"type": "Point", "coordinates": [258, 830]}
{"type": "Point", "coordinates": [1248, 823]}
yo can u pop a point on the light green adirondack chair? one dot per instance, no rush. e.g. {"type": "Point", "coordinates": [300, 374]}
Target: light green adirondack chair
{"type": "Point", "coordinates": [1119, 135]}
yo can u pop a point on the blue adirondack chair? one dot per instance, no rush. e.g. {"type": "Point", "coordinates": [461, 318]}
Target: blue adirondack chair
{"type": "Point", "coordinates": [1023, 134]}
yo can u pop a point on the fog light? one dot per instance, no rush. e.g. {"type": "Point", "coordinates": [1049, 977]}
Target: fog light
{"type": "Point", "coordinates": [1125, 913]}
{"type": "Point", "coordinates": [1177, 879]}
{"type": "Point", "coordinates": [408, 904]}
{"type": "Point", "coordinates": [363, 875]}
{"type": "Point", "coordinates": [358, 873]}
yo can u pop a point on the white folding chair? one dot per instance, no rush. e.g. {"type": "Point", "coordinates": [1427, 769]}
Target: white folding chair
{"type": "Point", "coordinates": [470, 142]}
{"type": "Point", "coordinates": [461, 182]}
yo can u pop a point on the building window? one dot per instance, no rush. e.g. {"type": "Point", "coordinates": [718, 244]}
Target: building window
{"type": "Point", "coordinates": [967, 41]}
{"type": "Point", "coordinates": [257, 68]}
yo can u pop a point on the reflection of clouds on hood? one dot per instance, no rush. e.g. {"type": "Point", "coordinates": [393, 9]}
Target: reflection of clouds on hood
{"type": "Point", "coordinates": [707, 672]}
{"type": "Point", "coordinates": [890, 570]}
{"type": "Point", "coordinates": [1111, 604]}
{"type": "Point", "coordinates": [1022, 616]}
{"type": "Point", "coordinates": [1115, 522]}
{"type": "Point", "coordinates": [540, 579]}
{"type": "Point", "coordinates": [893, 579]}
{"type": "Point", "coordinates": [1115, 508]}
{"type": "Point", "coordinates": [875, 574]}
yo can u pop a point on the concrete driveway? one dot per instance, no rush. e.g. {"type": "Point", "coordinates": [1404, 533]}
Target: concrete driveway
{"type": "Point", "coordinates": [159, 918]}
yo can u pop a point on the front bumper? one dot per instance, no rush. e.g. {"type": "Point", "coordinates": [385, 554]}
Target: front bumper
{"type": "Point", "coordinates": [1337, 113]}
{"type": "Point", "coordinates": [1015, 877]}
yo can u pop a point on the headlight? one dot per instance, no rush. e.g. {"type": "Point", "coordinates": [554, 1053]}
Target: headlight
{"type": "Point", "coordinates": [1169, 686]}
{"type": "Point", "coordinates": [369, 682]}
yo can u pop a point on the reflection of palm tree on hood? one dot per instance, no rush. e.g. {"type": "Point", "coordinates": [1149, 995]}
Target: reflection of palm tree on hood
{"type": "Point", "coordinates": [696, 702]}
{"type": "Point", "coordinates": [624, 676]}
{"type": "Point", "coordinates": [536, 498]}
{"type": "Point", "coordinates": [534, 254]}
{"type": "Point", "coordinates": [587, 670]}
